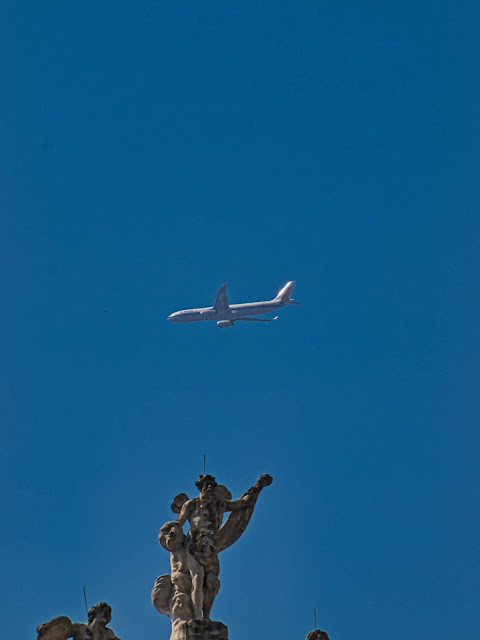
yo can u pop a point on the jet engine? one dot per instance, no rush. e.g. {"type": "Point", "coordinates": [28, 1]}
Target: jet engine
{"type": "Point", "coordinates": [224, 323]}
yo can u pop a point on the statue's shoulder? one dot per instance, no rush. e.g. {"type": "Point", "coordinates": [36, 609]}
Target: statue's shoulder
{"type": "Point", "coordinates": [81, 631]}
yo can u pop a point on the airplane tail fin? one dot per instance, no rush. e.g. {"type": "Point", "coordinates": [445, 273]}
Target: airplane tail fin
{"type": "Point", "coordinates": [285, 292]}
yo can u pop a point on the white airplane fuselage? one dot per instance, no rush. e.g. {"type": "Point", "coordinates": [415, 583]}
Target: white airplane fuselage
{"type": "Point", "coordinates": [235, 312]}
{"type": "Point", "coordinates": [225, 314]}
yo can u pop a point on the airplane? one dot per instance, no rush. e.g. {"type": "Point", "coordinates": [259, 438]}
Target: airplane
{"type": "Point", "coordinates": [225, 314]}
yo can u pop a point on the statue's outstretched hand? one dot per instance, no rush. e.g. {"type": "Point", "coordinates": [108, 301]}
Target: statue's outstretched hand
{"type": "Point", "coordinates": [264, 480]}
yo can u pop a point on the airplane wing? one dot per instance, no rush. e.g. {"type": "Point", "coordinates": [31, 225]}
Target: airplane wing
{"type": "Point", "coordinates": [221, 303]}
{"type": "Point", "coordinates": [257, 319]}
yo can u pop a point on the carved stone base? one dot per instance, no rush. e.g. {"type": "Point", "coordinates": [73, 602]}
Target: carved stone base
{"type": "Point", "coordinates": [199, 630]}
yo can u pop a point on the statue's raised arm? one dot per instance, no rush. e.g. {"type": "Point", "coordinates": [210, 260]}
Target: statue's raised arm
{"type": "Point", "coordinates": [251, 495]}
{"type": "Point", "coordinates": [242, 511]}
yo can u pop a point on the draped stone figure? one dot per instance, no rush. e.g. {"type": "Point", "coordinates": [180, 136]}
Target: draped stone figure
{"type": "Point", "coordinates": [188, 592]}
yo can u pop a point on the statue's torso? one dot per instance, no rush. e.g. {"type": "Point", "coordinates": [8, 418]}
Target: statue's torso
{"type": "Point", "coordinates": [92, 632]}
{"type": "Point", "coordinates": [207, 516]}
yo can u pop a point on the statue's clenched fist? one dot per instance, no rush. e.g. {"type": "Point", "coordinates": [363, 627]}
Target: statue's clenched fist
{"type": "Point", "coordinates": [264, 480]}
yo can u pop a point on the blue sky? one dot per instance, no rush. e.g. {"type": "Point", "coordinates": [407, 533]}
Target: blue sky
{"type": "Point", "coordinates": [153, 150]}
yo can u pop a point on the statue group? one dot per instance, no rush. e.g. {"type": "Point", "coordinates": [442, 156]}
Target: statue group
{"type": "Point", "coordinates": [186, 594]}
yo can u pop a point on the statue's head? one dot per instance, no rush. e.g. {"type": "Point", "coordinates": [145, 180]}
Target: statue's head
{"type": "Point", "coordinates": [101, 612]}
{"type": "Point", "coordinates": [206, 484]}
{"type": "Point", "coordinates": [171, 536]}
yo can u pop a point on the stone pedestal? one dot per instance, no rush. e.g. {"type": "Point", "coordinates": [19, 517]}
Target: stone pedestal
{"type": "Point", "coordinates": [200, 629]}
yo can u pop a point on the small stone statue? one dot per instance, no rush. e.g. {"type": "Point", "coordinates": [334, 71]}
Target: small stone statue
{"type": "Point", "coordinates": [62, 627]}
{"type": "Point", "coordinates": [188, 593]}
{"type": "Point", "coordinates": [318, 634]}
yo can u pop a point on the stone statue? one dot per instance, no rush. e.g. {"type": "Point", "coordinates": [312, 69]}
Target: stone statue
{"type": "Point", "coordinates": [62, 627]}
{"type": "Point", "coordinates": [171, 594]}
{"type": "Point", "coordinates": [188, 593]}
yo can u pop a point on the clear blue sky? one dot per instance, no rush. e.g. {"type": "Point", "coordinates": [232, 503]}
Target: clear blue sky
{"type": "Point", "coordinates": [152, 150]}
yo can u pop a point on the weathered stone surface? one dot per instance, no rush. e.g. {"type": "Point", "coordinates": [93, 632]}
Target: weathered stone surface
{"type": "Point", "coordinates": [200, 630]}
{"type": "Point", "coordinates": [62, 627]}
{"type": "Point", "coordinates": [318, 634]}
{"type": "Point", "coordinates": [58, 628]}
{"type": "Point", "coordinates": [188, 593]}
